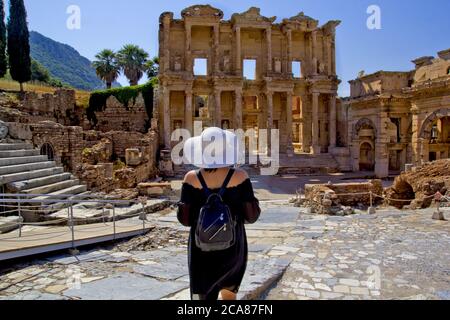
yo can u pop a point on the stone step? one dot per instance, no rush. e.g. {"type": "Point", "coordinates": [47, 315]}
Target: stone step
{"type": "Point", "coordinates": [15, 146]}
{"type": "Point", "coordinates": [16, 187]}
{"type": "Point", "coordinates": [8, 224]}
{"type": "Point", "coordinates": [28, 175]}
{"type": "Point", "coordinates": [27, 167]}
{"type": "Point", "coordinates": [52, 187]}
{"type": "Point", "coordinates": [21, 160]}
{"type": "Point", "coordinates": [74, 190]}
{"type": "Point", "coordinates": [59, 206]}
{"type": "Point", "coordinates": [19, 153]}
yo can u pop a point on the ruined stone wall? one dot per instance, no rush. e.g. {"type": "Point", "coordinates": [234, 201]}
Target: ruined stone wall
{"type": "Point", "coordinates": [66, 142]}
{"type": "Point", "coordinates": [118, 117]}
{"type": "Point", "coordinates": [59, 107]}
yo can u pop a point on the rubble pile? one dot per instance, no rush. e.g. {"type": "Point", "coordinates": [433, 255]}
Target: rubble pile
{"type": "Point", "coordinates": [157, 238]}
{"type": "Point", "coordinates": [420, 184]}
{"type": "Point", "coordinates": [340, 199]}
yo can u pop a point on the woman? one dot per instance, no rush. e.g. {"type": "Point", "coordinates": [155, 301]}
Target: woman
{"type": "Point", "coordinates": [221, 271]}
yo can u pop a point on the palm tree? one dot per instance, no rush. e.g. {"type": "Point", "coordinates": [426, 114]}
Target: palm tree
{"type": "Point", "coordinates": [132, 60]}
{"type": "Point", "coordinates": [152, 68]}
{"type": "Point", "coordinates": [106, 67]}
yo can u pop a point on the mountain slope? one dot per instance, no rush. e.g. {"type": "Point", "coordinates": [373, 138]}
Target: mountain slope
{"type": "Point", "coordinates": [64, 62]}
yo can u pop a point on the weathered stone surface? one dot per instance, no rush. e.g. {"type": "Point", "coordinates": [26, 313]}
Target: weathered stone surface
{"type": "Point", "coordinates": [125, 286]}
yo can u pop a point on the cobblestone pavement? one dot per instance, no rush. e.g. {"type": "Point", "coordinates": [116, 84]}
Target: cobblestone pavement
{"type": "Point", "coordinates": [391, 255]}
{"type": "Point", "coordinates": [293, 255]}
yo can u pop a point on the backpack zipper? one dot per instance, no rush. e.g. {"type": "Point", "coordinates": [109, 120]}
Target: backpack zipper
{"type": "Point", "coordinates": [224, 228]}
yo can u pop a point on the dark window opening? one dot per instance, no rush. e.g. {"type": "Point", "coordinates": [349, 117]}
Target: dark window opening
{"type": "Point", "coordinates": [47, 150]}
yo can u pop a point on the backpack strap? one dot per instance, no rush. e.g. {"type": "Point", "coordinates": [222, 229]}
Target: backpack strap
{"type": "Point", "coordinates": [203, 183]}
{"type": "Point", "coordinates": [226, 182]}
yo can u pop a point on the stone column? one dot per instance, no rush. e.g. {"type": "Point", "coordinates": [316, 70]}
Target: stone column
{"type": "Point", "coordinates": [238, 50]}
{"type": "Point", "coordinates": [329, 55]}
{"type": "Point", "coordinates": [269, 48]}
{"type": "Point", "coordinates": [332, 126]}
{"type": "Point", "coordinates": [216, 65]}
{"type": "Point", "coordinates": [306, 125]}
{"type": "Point", "coordinates": [289, 50]}
{"type": "Point", "coordinates": [416, 143]}
{"type": "Point", "coordinates": [333, 56]}
{"type": "Point", "coordinates": [166, 39]}
{"type": "Point", "coordinates": [188, 113]}
{"type": "Point", "coordinates": [269, 99]}
{"type": "Point", "coordinates": [188, 53]}
{"type": "Point", "coordinates": [381, 145]}
{"type": "Point", "coordinates": [218, 108]}
{"type": "Point", "coordinates": [167, 118]}
{"type": "Point", "coordinates": [315, 123]}
{"type": "Point", "coordinates": [238, 109]}
{"type": "Point", "coordinates": [314, 52]}
{"type": "Point", "coordinates": [289, 147]}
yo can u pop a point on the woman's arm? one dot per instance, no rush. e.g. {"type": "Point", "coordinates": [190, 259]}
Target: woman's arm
{"type": "Point", "coordinates": [252, 211]}
{"type": "Point", "coordinates": [185, 204]}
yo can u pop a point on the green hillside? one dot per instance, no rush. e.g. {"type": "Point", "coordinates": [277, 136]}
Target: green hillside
{"type": "Point", "coordinates": [64, 62]}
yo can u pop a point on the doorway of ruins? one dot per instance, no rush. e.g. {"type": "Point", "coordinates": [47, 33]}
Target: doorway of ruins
{"type": "Point", "coordinates": [366, 157]}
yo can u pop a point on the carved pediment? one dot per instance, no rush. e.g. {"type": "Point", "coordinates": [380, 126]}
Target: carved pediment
{"type": "Point", "coordinates": [201, 11]}
{"type": "Point", "coordinates": [301, 20]}
{"type": "Point", "coordinates": [251, 15]}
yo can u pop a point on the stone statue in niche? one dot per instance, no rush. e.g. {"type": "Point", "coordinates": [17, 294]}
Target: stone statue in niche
{"type": "Point", "coordinates": [225, 124]}
{"type": "Point", "coordinates": [277, 65]}
{"type": "Point", "coordinates": [226, 62]}
{"type": "Point", "coordinates": [177, 63]}
{"type": "Point", "coordinates": [322, 68]}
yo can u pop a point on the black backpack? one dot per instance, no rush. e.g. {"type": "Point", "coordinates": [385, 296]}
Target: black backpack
{"type": "Point", "coordinates": [216, 227]}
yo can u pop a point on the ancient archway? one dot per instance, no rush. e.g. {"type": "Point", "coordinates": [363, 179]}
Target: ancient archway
{"type": "Point", "coordinates": [434, 136]}
{"type": "Point", "coordinates": [47, 150]}
{"type": "Point", "coordinates": [427, 126]}
{"type": "Point", "coordinates": [364, 124]}
{"type": "Point", "coordinates": [366, 157]}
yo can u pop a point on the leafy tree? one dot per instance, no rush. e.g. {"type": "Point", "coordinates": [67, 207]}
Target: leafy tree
{"type": "Point", "coordinates": [18, 43]}
{"type": "Point", "coordinates": [106, 67]}
{"type": "Point", "coordinates": [39, 73]}
{"type": "Point", "coordinates": [132, 60]}
{"type": "Point", "coordinates": [3, 62]}
{"type": "Point", "coordinates": [152, 68]}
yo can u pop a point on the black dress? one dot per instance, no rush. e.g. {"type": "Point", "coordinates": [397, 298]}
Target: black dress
{"type": "Point", "coordinates": [210, 272]}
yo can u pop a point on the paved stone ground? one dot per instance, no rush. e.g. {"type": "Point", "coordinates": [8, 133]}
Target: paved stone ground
{"type": "Point", "coordinates": [391, 255]}
{"type": "Point", "coordinates": [150, 267]}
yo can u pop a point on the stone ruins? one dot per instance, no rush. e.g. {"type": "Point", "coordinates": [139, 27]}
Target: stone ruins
{"type": "Point", "coordinates": [259, 74]}
{"type": "Point", "coordinates": [292, 87]}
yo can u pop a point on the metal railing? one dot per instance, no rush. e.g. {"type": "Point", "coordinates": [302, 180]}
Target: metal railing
{"type": "Point", "coordinates": [40, 206]}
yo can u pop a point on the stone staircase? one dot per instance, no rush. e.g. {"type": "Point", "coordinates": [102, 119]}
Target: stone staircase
{"type": "Point", "coordinates": [23, 170]}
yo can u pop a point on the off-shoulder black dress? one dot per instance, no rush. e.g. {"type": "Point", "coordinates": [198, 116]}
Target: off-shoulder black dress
{"type": "Point", "coordinates": [211, 272]}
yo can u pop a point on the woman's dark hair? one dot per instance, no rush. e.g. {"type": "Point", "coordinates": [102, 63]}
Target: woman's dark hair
{"type": "Point", "coordinates": [210, 170]}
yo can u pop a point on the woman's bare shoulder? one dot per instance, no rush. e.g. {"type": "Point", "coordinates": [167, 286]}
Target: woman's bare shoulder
{"type": "Point", "coordinates": [239, 177]}
{"type": "Point", "coordinates": [191, 179]}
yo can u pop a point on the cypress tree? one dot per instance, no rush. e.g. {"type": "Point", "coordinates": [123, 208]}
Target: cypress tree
{"type": "Point", "coordinates": [3, 63]}
{"type": "Point", "coordinates": [18, 43]}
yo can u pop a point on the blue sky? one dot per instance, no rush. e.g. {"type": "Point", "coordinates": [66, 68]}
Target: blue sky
{"type": "Point", "coordinates": [409, 28]}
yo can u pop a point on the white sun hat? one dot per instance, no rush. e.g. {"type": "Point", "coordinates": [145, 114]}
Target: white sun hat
{"type": "Point", "coordinates": [213, 149]}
